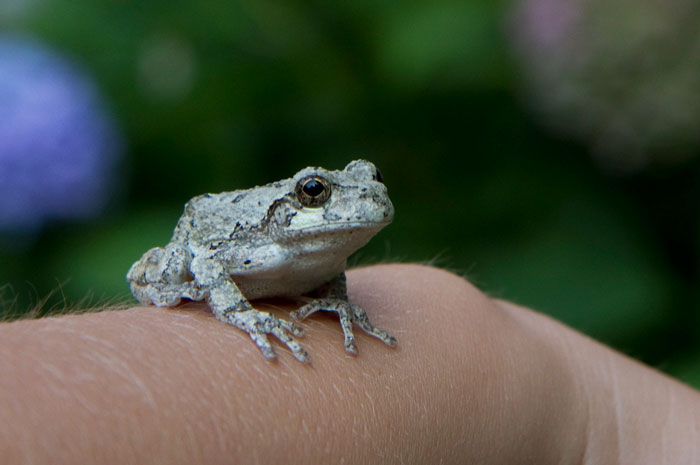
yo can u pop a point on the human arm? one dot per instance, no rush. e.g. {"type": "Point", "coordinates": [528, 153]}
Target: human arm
{"type": "Point", "coordinates": [473, 380]}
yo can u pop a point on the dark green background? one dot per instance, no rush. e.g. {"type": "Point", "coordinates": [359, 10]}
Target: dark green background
{"type": "Point", "coordinates": [426, 90]}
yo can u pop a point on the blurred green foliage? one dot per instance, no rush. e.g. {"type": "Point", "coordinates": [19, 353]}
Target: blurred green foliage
{"type": "Point", "coordinates": [248, 92]}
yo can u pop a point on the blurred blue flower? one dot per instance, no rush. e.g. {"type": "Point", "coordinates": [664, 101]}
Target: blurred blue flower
{"type": "Point", "coordinates": [58, 144]}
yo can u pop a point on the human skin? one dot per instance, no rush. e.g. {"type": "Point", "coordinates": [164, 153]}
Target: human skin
{"type": "Point", "coordinates": [473, 380]}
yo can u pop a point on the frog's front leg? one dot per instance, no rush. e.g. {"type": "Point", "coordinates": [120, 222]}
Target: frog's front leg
{"type": "Point", "coordinates": [333, 297]}
{"type": "Point", "coordinates": [229, 305]}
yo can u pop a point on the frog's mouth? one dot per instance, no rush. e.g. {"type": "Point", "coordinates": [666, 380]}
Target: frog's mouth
{"type": "Point", "coordinates": [334, 240]}
{"type": "Point", "coordinates": [311, 219]}
{"type": "Point", "coordinates": [339, 226]}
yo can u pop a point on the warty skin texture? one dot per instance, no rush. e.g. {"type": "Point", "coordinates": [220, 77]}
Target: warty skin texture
{"type": "Point", "coordinates": [284, 239]}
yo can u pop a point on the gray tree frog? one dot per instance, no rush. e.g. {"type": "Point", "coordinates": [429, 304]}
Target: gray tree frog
{"type": "Point", "coordinates": [284, 239]}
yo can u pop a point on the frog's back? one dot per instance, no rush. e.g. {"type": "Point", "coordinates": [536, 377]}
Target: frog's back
{"type": "Point", "coordinates": [227, 215]}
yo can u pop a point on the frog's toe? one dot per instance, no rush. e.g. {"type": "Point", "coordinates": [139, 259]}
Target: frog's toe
{"type": "Point", "coordinates": [302, 355]}
{"type": "Point", "coordinates": [296, 348]}
{"type": "Point", "coordinates": [302, 312]}
{"type": "Point", "coordinates": [295, 329]}
{"type": "Point", "coordinates": [360, 319]}
{"type": "Point", "coordinates": [351, 346]}
{"type": "Point", "coordinates": [381, 335]}
{"type": "Point", "coordinates": [263, 343]}
{"type": "Point", "coordinates": [345, 317]}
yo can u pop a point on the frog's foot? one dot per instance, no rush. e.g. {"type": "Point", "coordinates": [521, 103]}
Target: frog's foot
{"type": "Point", "coordinates": [259, 324]}
{"type": "Point", "coordinates": [165, 295]}
{"type": "Point", "coordinates": [348, 314]}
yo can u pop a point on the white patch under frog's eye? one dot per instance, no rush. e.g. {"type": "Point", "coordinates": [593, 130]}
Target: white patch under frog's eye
{"type": "Point", "coordinates": [313, 191]}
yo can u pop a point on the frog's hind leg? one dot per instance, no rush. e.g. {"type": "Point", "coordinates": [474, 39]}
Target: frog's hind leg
{"type": "Point", "coordinates": [166, 295]}
{"type": "Point", "coordinates": [162, 278]}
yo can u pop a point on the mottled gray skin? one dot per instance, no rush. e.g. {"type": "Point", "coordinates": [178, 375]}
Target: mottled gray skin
{"type": "Point", "coordinates": [271, 241]}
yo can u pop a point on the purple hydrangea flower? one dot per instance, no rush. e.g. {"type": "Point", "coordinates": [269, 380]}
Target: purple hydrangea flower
{"type": "Point", "coordinates": [58, 145]}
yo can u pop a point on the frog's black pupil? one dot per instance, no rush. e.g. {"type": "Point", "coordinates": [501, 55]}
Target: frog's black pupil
{"type": "Point", "coordinates": [313, 188]}
{"type": "Point", "coordinates": [379, 177]}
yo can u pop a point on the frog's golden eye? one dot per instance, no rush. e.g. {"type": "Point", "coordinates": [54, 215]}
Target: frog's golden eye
{"type": "Point", "coordinates": [313, 191]}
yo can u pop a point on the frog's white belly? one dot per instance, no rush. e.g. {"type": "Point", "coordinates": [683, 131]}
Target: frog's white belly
{"type": "Point", "coordinates": [290, 271]}
{"type": "Point", "coordinates": [291, 281]}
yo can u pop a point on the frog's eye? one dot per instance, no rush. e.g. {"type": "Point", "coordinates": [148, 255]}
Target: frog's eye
{"type": "Point", "coordinates": [313, 191]}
